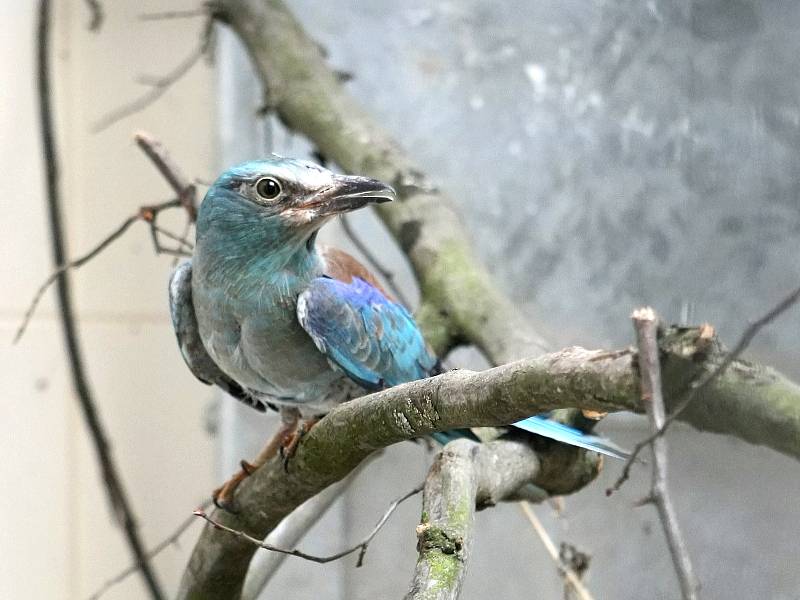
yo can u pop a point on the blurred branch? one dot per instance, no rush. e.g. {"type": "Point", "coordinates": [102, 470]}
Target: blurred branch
{"type": "Point", "coordinates": [151, 554]}
{"type": "Point", "coordinates": [573, 581]}
{"type": "Point", "coordinates": [706, 379]}
{"type": "Point", "coordinates": [96, 15]}
{"type": "Point", "coordinates": [646, 325]}
{"type": "Point", "coordinates": [160, 85]}
{"type": "Point", "coordinates": [361, 546]}
{"type": "Point", "coordinates": [114, 487]}
{"type": "Point", "coordinates": [173, 14]}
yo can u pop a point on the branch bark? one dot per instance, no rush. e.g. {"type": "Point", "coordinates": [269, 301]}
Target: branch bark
{"type": "Point", "coordinates": [646, 325]}
{"type": "Point", "coordinates": [749, 401]}
{"type": "Point", "coordinates": [288, 534]}
{"type": "Point", "coordinates": [466, 476]}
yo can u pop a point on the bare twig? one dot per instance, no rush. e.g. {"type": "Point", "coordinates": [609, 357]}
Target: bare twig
{"type": "Point", "coordinates": [187, 199]}
{"type": "Point", "coordinates": [646, 325]}
{"type": "Point", "coordinates": [151, 554]}
{"type": "Point", "coordinates": [289, 533]}
{"type": "Point", "coordinates": [113, 482]}
{"type": "Point", "coordinates": [569, 574]}
{"type": "Point", "coordinates": [702, 382]}
{"type": "Point", "coordinates": [386, 274]}
{"type": "Point", "coordinates": [173, 14]}
{"type": "Point", "coordinates": [147, 214]}
{"type": "Point", "coordinates": [159, 86]}
{"type": "Point", "coordinates": [97, 16]}
{"type": "Point", "coordinates": [361, 546]}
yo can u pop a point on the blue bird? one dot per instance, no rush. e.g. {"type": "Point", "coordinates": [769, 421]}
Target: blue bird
{"type": "Point", "coordinates": [277, 320]}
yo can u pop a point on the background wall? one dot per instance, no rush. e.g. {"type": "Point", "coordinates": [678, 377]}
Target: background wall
{"type": "Point", "coordinates": [605, 154]}
{"type": "Point", "coordinates": [59, 539]}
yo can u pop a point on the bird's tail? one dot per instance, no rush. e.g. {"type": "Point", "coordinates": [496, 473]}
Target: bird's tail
{"type": "Point", "coordinates": [569, 435]}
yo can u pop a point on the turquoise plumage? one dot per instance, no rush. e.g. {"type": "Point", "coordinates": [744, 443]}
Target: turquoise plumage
{"type": "Point", "coordinates": [276, 320]}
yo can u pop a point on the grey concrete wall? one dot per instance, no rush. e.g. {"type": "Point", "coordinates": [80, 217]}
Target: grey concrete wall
{"type": "Point", "coordinates": [605, 155]}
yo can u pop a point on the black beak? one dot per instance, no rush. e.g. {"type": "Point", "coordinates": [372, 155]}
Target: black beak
{"type": "Point", "coordinates": [350, 192]}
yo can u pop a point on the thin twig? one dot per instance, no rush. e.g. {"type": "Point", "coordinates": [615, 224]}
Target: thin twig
{"type": "Point", "coordinates": [151, 554]}
{"type": "Point", "coordinates": [187, 199]}
{"type": "Point", "coordinates": [173, 14]}
{"type": "Point", "coordinates": [113, 482]}
{"type": "Point", "coordinates": [547, 541]}
{"type": "Point", "coordinates": [646, 325]}
{"type": "Point", "coordinates": [386, 274]}
{"type": "Point", "coordinates": [702, 382]}
{"type": "Point", "coordinates": [361, 546]}
{"type": "Point", "coordinates": [159, 86]}
{"type": "Point", "coordinates": [147, 214]}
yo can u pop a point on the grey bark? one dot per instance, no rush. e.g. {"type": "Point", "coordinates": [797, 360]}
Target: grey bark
{"type": "Point", "coordinates": [749, 401]}
{"type": "Point", "coordinates": [646, 325]}
{"type": "Point", "coordinates": [466, 475]}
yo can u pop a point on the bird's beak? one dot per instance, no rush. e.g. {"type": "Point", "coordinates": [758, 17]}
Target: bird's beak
{"type": "Point", "coordinates": [350, 192]}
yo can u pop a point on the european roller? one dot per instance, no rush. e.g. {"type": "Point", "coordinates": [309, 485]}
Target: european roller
{"type": "Point", "coordinates": [277, 320]}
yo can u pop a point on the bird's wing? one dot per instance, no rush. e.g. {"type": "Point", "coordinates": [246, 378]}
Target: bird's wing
{"type": "Point", "coordinates": [194, 352]}
{"type": "Point", "coordinates": [373, 339]}
{"type": "Point", "coordinates": [376, 342]}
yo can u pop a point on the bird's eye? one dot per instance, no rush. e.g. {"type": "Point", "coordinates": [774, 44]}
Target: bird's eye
{"type": "Point", "coordinates": [268, 188]}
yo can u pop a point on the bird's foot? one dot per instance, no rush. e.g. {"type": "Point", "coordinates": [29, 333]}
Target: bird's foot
{"type": "Point", "coordinates": [223, 495]}
{"type": "Point", "coordinates": [289, 448]}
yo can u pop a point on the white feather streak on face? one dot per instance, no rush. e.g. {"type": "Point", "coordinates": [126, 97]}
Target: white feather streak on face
{"type": "Point", "coordinates": [300, 216]}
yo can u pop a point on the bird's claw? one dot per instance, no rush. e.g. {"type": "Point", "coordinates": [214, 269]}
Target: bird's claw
{"type": "Point", "coordinates": [223, 496]}
{"type": "Point", "coordinates": [223, 499]}
{"type": "Point", "coordinates": [289, 448]}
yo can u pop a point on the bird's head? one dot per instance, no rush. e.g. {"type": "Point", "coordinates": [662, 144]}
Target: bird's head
{"type": "Point", "coordinates": [287, 200]}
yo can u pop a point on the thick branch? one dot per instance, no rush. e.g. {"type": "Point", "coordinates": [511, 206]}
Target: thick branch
{"type": "Point", "coordinates": [646, 325]}
{"type": "Point", "coordinates": [309, 98]}
{"type": "Point", "coordinates": [748, 401]}
{"type": "Point", "coordinates": [466, 475]}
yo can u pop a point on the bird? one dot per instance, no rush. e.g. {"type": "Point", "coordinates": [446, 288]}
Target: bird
{"type": "Point", "coordinates": [278, 320]}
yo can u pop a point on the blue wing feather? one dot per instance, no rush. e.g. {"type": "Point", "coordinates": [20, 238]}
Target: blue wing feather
{"type": "Point", "coordinates": [373, 340]}
{"type": "Point", "coordinates": [376, 342]}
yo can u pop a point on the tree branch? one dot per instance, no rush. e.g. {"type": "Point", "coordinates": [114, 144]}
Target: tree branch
{"type": "Point", "coordinates": [697, 385]}
{"type": "Point", "coordinates": [160, 85]}
{"type": "Point", "coordinates": [646, 325]}
{"type": "Point", "coordinates": [573, 586]}
{"type": "Point", "coordinates": [748, 401]}
{"type": "Point", "coordinates": [289, 533]}
{"type": "Point", "coordinates": [360, 546]}
{"type": "Point", "coordinates": [168, 541]}
{"type": "Point", "coordinates": [115, 490]}
{"type": "Point", "coordinates": [465, 476]}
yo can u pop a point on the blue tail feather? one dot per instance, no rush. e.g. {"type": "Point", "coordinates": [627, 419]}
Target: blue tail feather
{"type": "Point", "coordinates": [569, 435]}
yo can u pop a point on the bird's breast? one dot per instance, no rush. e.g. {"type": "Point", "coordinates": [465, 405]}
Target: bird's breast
{"type": "Point", "coordinates": [255, 339]}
